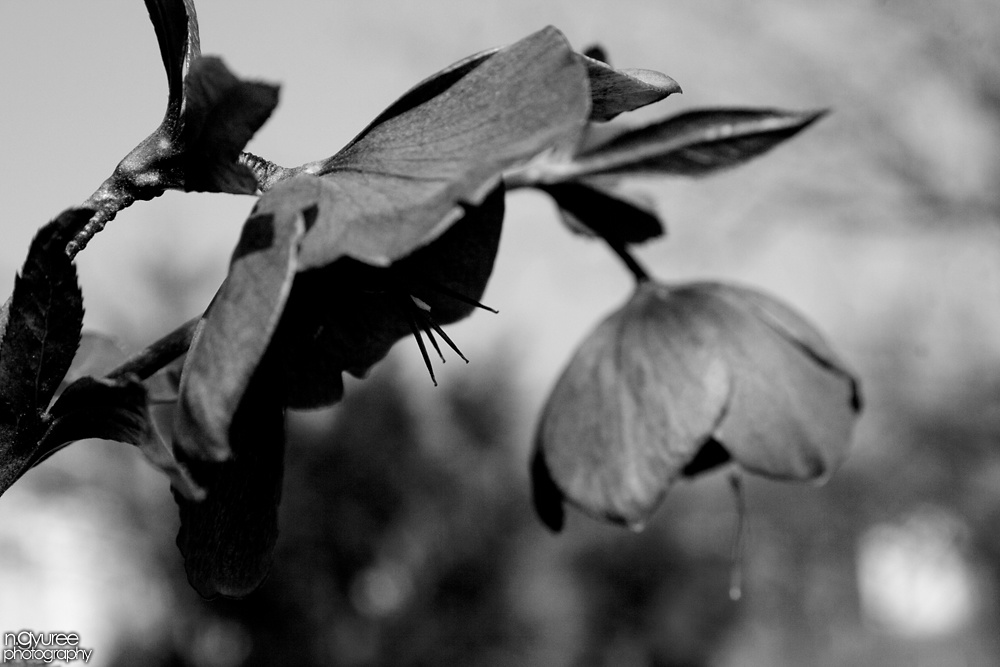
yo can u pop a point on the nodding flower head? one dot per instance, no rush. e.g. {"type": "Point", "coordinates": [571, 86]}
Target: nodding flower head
{"type": "Point", "coordinates": [683, 379]}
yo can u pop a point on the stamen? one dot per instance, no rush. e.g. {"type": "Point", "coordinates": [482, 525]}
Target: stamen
{"type": "Point", "coordinates": [738, 551]}
{"type": "Point", "coordinates": [458, 296]}
{"type": "Point", "coordinates": [444, 336]}
{"type": "Point", "coordinates": [415, 330]}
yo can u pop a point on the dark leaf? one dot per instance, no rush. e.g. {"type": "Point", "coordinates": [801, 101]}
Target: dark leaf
{"type": "Point", "coordinates": [228, 538]}
{"type": "Point", "coordinates": [681, 380]}
{"type": "Point", "coordinates": [402, 184]}
{"type": "Point", "coordinates": [613, 91]}
{"type": "Point", "coordinates": [591, 208]}
{"type": "Point", "coordinates": [45, 318]}
{"type": "Point", "coordinates": [112, 410]}
{"type": "Point", "coordinates": [240, 321]}
{"type": "Point", "coordinates": [176, 25]}
{"type": "Point", "coordinates": [345, 317]}
{"type": "Point", "coordinates": [222, 112]}
{"type": "Point", "coordinates": [692, 143]}
{"type": "Point", "coordinates": [41, 330]}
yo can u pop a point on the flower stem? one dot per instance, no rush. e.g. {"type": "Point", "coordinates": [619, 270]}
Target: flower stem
{"type": "Point", "coordinates": [160, 353]}
{"type": "Point", "coordinates": [640, 273]}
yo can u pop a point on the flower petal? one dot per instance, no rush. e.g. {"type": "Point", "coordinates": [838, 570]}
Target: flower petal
{"type": "Point", "coordinates": [614, 91]}
{"type": "Point", "coordinates": [402, 184]}
{"type": "Point", "coordinates": [346, 316]}
{"type": "Point", "coordinates": [792, 411]}
{"type": "Point", "coordinates": [239, 323]}
{"type": "Point", "coordinates": [228, 538]}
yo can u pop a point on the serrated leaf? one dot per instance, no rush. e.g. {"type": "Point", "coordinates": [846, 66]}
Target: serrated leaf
{"type": "Point", "coordinates": [594, 209]}
{"type": "Point", "coordinates": [346, 317]}
{"type": "Point", "coordinates": [692, 143]}
{"type": "Point", "coordinates": [680, 380]}
{"type": "Point", "coordinates": [45, 319]}
{"type": "Point", "coordinates": [613, 92]}
{"type": "Point", "coordinates": [222, 113]}
{"type": "Point", "coordinates": [239, 323]}
{"type": "Point", "coordinates": [176, 26]}
{"type": "Point", "coordinates": [401, 185]}
{"type": "Point", "coordinates": [228, 538]}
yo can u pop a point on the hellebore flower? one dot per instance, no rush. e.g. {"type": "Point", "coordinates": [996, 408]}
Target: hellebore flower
{"type": "Point", "coordinates": [680, 380]}
{"type": "Point", "coordinates": [395, 234]}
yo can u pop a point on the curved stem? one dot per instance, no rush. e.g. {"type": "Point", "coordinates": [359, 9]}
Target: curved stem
{"type": "Point", "coordinates": [640, 273]}
{"type": "Point", "coordinates": [160, 353]}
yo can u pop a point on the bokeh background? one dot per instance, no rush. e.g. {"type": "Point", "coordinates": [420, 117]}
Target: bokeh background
{"type": "Point", "coordinates": [407, 534]}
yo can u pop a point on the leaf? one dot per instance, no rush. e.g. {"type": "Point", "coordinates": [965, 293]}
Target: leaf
{"type": "Point", "coordinates": [401, 185]}
{"type": "Point", "coordinates": [228, 538]}
{"type": "Point", "coordinates": [345, 317]}
{"type": "Point", "coordinates": [692, 144]}
{"type": "Point", "coordinates": [111, 410]}
{"type": "Point", "coordinates": [222, 113]}
{"type": "Point", "coordinates": [591, 208]}
{"type": "Point", "coordinates": [45, 319]}
{"type": "Point", "coordinates": [239, 323]}
{"type": "Point", "coordinates": [42, 329]}
{"type": "Point", "coordinates": [613, 92]}
{"type": "Point", "coordinates": [176, 26]}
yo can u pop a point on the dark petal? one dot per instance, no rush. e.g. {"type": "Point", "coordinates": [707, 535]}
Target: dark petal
{"type": "Point", "coordinates": [347, 316]}
{"type": "Point", "coordinates": [545, 494]}
{"type": "Point", "coordinates": [637, 400]}
{"type": "Point", "coordinates": [239, 323]}
{"type": "Point", "coordinates": [458, 263]}
{"type": "Point", "coordinates": [593, 209]}
{"type": "Point", "coordinates": [228, 538]}
{"type": "Point", "coordinates": [221, 114]}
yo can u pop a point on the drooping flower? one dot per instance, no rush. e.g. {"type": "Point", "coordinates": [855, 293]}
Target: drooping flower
{"type": "Point", "coordinates": [680, 380]}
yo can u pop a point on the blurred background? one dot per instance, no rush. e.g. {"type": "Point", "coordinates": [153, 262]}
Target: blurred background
{"type": "Point", "coordinates": [407, 531]}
